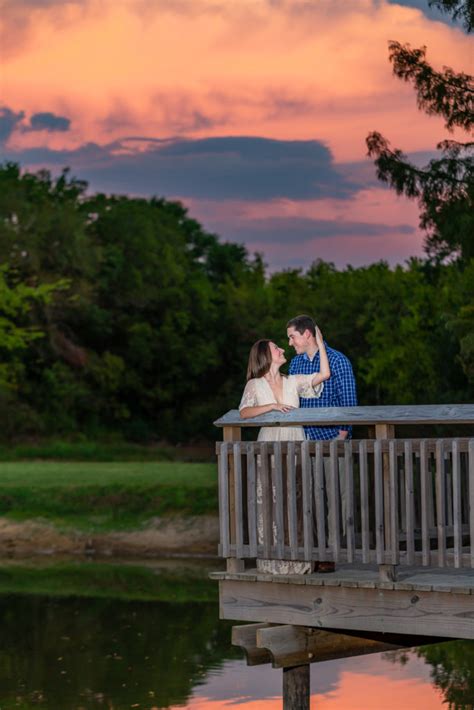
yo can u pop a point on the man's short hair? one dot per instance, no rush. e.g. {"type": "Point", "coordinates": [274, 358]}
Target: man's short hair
{"type": "Point", "coordinates": [302, 323]}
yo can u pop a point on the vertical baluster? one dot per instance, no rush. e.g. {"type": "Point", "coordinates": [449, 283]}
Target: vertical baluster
{"type": "Point", "coordinates": [425, 490]}
{"type": "Point", "coordinates": [349, 482]}
{"type": "Point", "coordinates": [319, 496]}
{"type": "Point", "coordinates": [441, 502]}
{"type": "Point", "coordinates": [307, 503]}
{"type": "Point", "coordinates": [292, 509]}
{"type": "Point", "coordinates": [409, 503]}
{"type": "Point", "coordinates": [364, 501]}
{"type": "Point", "coordinates": [239, 512]}
{"type": "Point", "coordinates": [457, 510]}
{"type": "Point", "coordinates": [393, 492]}
{"type": "Point", "coordinates": [267, 498]}
{"type": "Point", "coordinates": [278, 486]}
{"type": "Point", "coordinates": [334, 518]}
{"type": "Point", "coordinates": [431, 491]}
{"type": "Point", "coordinates": [401, 496]}
{"type": "Point", "coordinates": [464, 474]}
{"type": "Point", "coordinates": [224, 498]}
{"type": "Point", "coordinates": [449, 488]}
{"type": "Point", "coordinates": [416, 488]}
{"type": "Point", "coordinates": [379, 506]}
{"type": "Point", "coordinates": [252, 500]}
{"type": "Point", "coordinates": [471, 497]}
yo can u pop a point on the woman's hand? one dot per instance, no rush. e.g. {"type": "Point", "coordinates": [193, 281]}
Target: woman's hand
{"type": "Point", "coordinates": [319, 337]}
{"type": "Point", "coordinates": [283, 408]}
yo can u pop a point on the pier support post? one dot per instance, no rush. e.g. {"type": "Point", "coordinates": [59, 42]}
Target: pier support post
{"type": "Point", "coordinates": [296, 688]}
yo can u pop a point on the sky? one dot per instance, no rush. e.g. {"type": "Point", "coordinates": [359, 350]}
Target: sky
{"type": "Point", "coordinates": [253, 113]}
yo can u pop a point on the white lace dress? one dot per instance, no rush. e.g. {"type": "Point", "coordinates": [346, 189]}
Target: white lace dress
{"type": "Point", "coordinates": [258, 392]}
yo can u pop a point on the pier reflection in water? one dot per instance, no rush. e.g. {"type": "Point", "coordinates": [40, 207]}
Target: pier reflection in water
{"type": "Point", "coordinates": [87, 652]}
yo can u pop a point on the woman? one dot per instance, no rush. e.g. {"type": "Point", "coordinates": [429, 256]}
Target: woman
{"type": "Point", "coordinates": [268, 390]}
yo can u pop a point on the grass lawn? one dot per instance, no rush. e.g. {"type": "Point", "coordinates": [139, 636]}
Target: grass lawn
{"type": "Point", "coordinates": [47, 474]}
{"type": "Point", "coordinates": [101, 496]}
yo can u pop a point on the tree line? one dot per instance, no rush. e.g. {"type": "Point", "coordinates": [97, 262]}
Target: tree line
{"type": "Point", "coordinates": [124, 315]}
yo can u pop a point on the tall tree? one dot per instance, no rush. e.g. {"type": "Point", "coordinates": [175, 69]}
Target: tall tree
{"type": "Point", "coordinates": [458, 9]}
{"type": "Point", "coordinates": [445, 187]}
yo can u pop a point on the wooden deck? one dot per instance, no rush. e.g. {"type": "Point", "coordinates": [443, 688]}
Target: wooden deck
{"type": "Point", "coordinates": [395, 515]}
{"type": "Point", "coordinates": [421, 602]}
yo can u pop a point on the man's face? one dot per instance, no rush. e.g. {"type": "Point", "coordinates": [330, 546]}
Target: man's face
{"type": "Point", "coordinates": [299, 341]}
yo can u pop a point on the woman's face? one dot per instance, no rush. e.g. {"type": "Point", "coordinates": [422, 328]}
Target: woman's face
{"type": "Point", "coordinates": [278, 354]}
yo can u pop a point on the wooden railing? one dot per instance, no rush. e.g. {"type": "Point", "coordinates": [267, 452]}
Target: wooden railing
{"type": "Point", "coordinates": [386, 501]}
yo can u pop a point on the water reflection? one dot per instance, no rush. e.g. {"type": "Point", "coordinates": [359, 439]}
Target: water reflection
{"type": "Point", "coordinates": [73, 653]}
{"type": "Point", "coordinates": [451, 669]}
{"type": "Point", "coordinates": [87, 653]}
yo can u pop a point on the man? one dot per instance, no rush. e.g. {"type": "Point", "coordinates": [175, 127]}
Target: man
{"type": "Point", "coordinates": [339, 391]}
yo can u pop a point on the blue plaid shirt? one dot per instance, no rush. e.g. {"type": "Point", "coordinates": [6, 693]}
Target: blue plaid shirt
{"type": "Point", "coordinates": [339, 390]}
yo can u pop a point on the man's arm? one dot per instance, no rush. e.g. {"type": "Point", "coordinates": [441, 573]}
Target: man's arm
{"type": "Point", "coordinates": [346, 392]}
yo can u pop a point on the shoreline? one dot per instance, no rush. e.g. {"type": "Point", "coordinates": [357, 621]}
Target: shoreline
{"type": "Point", "coordinates": [170, 536]}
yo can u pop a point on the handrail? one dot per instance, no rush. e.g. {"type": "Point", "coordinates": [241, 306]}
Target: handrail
{"type": "Point", "coordinates": [391, 414]}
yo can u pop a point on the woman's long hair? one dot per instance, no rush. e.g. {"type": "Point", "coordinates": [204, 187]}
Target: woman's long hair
{"type": "Point", "coordinates": [260, 359]}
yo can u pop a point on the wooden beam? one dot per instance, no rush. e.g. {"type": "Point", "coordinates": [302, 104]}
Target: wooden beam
{"type": "Point", "coordinates": [366, 416]}
{"type": "Point", "coordinates": [290, 645]}
{"type": "Point", "coordinates": [447, 614]}
{"type": "Point", "coordinates": [245, 636]}
{"type": "Point", "coordinates": [287, 645]}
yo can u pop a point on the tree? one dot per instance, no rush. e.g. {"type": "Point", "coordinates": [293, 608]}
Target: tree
{"type": "Point", "coordinates": [445, 187]}
{"type": "Point", "coordinates": [458, 9]}
{"type": "Point", "coordinates": [445, 192]}
{"type": "Point", "coordinates": [17, 332]}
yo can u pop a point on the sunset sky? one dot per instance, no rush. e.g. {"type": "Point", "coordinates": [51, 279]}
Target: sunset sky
{"type": "Point", "coordinates": [254, 113]}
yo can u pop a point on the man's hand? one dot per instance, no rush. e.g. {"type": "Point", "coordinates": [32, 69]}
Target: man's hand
{"type": "Point", "coordinates": [342, 434]}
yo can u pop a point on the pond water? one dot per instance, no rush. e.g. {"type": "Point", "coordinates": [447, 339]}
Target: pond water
{"type": "Point", "coordinates": [86, 652]}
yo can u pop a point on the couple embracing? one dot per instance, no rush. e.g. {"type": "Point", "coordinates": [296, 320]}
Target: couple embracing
{"type": "Point", "coordinates": [318, 377]}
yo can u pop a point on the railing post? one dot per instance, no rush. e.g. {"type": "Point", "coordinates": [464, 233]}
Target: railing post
{"type": "Point", "coordinates": [387, 572]}
{"type": "Point", "coordinates": [231, 434]}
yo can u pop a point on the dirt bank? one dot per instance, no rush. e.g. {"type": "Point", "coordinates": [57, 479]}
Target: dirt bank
{"type": "Point", "coordinates": [162, 536]}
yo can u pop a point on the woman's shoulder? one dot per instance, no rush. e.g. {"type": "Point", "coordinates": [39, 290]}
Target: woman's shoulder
{"type": "Point", "coordinates": [253, 382]}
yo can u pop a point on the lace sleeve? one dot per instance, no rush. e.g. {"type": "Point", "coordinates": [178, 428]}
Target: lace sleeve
{"type": "Point", "coordinates": [249, 397]}
{"type": "Point", "coordinates": [306, 389]}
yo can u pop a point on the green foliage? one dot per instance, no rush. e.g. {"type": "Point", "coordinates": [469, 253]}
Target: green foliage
{"type": "Point", "coordinates": [17, 328]}
{"type": "Point", "coordinates": [458, 9]}
{"type": "Point", "coordinates": [138, 325]}
{"type": "Point", "coordinates": [452, 670]}
{"type": "Point", "coordinates": [445, 187]}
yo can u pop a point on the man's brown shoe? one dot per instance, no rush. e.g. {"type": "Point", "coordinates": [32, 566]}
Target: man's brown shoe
{"type": "Point", "coordinates": [326, 567]}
